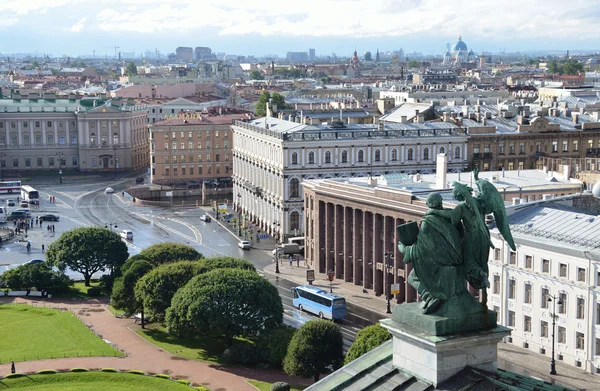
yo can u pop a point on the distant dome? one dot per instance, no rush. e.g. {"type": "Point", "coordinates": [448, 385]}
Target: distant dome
{"type": "Point", "coordinates": [459, 45]}
{"type": "Point", "coordinates": [471, 53]}
{"type": "Point", "coordinates": [596, 190]}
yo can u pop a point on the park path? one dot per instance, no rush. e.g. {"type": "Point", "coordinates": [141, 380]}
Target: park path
{"type": "Point", "coordinates": [141, 354]}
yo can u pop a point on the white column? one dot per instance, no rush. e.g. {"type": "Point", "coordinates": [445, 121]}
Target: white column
{"type": "Point", "coordinates": [44, 136]}
{"type": "Point", "coordinates": [464, 155]}
{"type": "Point", "coordinates": [402, 154]}
{"type": "Point", "coordinates": [387, 154]}
{"type": "Point", "coordinates": [19, 139]}
{"type": "Point", "coordinates": [418, 157]}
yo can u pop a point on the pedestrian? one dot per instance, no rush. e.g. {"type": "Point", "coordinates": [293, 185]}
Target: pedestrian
{"type": "Point", "coordinates": [26, 228]}
{"type": "Point", "coordinates": [48, 228]}
{"type": "Point", "coordinates": [37, 220]}
{"type": "Point", "coordinates": [31, 223]}
{"type": "Point", "coordinates": [12, 367]}
{"type": "Point", "coordinates": [52, 228]}
{"type": "Point", "coordinates": [291, 260]}
{"type": "Point", "coordinates": [15, 222]}
{"type": "Point", "coordinates": [43, 248]}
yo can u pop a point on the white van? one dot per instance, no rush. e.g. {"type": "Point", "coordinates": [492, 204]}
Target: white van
{"type": "Point", "coordinates": [127, 234]}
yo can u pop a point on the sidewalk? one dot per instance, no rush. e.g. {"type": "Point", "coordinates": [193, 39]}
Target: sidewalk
{"type": "Point", "coordinates": [268, 244]}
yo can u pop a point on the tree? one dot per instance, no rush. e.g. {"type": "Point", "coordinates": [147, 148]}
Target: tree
{"type": "Point", "coordinates": [278, 100]}
{"type": "Point", "coordinates": [37, 275]}
{"type": "Point", "coordinates": [256, 75]}
{"type": "Point", "coordinates": [316, 347]}
{"type": "Point", "coordinates": [123, 292]}
{"type": "Point", "coordinates": [572, 67]}
{"type": "Point", "coordinates": [131, 69]}
{"type": "Point", "coordinates": [132, 259]}
{"type": "Point", "coordinates": [169, 252]}
{"type": "Point", "coordinates": [261, 106]}
{"type": "Point", "coordinates": [275, 344]}
{"type": "Point", "coordinates": [367, 339]}
{"type": "Point", "coordinates": [553, 67]}
{"type": "Point", "coordinates": [225, 302]}
{"type": "Point", "coordinates": [88, 250]}
{"type": "Point", "coordinates": [157, 287]}
{"type": "Point", "coordinates": [224, 262]}
{"type": "Point", "coordinates": [414, 64]}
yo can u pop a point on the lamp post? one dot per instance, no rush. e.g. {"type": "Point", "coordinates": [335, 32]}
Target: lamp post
{"type": "Point", "coordinates": [60, 155]}
{"type": "Point", "coordinates": [554, 301]}
{"type": "Point", "coordinates": [330, 276]}
{"type": "Point", "coordinates": [277, 258]}
{"type": "Point", "coordinates": [115, 162]}
{"type": "Point", "coordinates": [390, 255]}
{"type": "Point", "coordinates": [110, 226]}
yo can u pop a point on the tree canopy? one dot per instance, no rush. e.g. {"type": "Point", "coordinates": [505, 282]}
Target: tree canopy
{"type": "Point", "coordinates": [414, 64]}
{"type": "Point", "coordinates": [263, 99]}
{"type": "Point", "coordinates": [37, 275]}
{"type": "Point", "coordinates": [123, 292]}
{"type": "Point", "coordinates": [316, 347]}
{"type": "Point", "coordinates": [88, 250]}
{"type": "Point", "coordinates": [225, 302]}
{"type": "Point", "coordinates": [568, 67]}
{"type": "Point", "coordinates": [367, 339]}
{"type": "Point", "coordinates": [131, 69]}
{"type": "Point", "coordinates": [255, 75]}
{"type": "Point", "coordinates": [169, 252]}
{"type": "Point", "coordinates": [224, 262]}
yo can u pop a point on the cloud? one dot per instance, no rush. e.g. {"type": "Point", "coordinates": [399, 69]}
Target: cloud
{"type": "Point", "coordinates": [77, 27]}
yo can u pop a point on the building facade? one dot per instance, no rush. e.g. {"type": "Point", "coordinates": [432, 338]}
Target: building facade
{"type": "Point", "coordinates": [272, 157]}
{"type": "Point", "coordinates": [89, 134]}
{"type": "Point", "coordinates": [193, 147]}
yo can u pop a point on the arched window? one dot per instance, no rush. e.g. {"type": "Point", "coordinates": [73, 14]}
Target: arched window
{"type": "Point", "coordinates": [327, 157]}
{"type": "Point", "coordinates": [377, 155]}
{"type": "Point", "coordinates": [294, 221]}
{"type": "Point", "coordinates": [361, 156]}
{"type": "Point", "coordinates": [425, 153]}
{"type": "Point", "coordinates": [409, 154]}
{"type": "Point", "coordinates": [104, 138]}
{"type": "Point", "coordinates": [344, 156]}
{"type": "Point", "coordinates": [442, 150]}
{"type": "Point", "coordinates": [457, 153]}
{"type": "Point", "coordinates": [311, 158]}
{"type": "Point", "coordinates": [294, 158]}
{"type": "Point", "coordinates": [394, 155]}
{"type": "Point", "coordinates": [92, 138]}
{"type": "Point", "coordinates": [294, 188]}
{"type": "Point", "coordinates": [115, 138]}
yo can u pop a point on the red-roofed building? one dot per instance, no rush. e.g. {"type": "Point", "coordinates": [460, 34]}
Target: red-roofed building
{"type": "Point", "coordinates": [193, 146]}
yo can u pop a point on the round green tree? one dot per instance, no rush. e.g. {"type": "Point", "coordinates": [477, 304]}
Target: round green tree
{"type": "Point", "coordinates": [38, 276]}
{"type": "Point", "coordinates": [169, 252]}
{"type": "Point", "coordinates": [316, 347]}
{"type": "Point", "coordinates": [87, 251]}
{"type": "Point", "coordinates": [224, 262]}
{"type": "Point", "coordinates": [123, 292]}
{"type": "Point", "coordinates": [226, 302]}
{"type": "Point", "coordinates": [367, 339]}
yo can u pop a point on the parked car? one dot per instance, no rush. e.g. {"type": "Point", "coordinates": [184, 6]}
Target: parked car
{"type": "Point", "coordinates": [49, 218]}
{"type": "Point", "coordinates": [205, 218]}
{"type": "Point", "coordinates": [139, 179]}
{"type": "Point", "coordinates": [24, 210]}
{"type": "Point", "coordinates": [127, 234]}
{"type": "Point", "coordinates": [16, 215]}
{"type": "Point", "coordinates": [10, 202]}
{"type": "Point", "coordinates": [244, 245]}
{"type": "Point", "coordinates": [109, 190]}
{"type": "Point", "coordinates": [34, 261]}
{"type": "Point", "coordinates": [24, 204]}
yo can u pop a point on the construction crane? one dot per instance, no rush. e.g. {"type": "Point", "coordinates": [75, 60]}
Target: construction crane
{"type": "Point", "coordinates": [116, 48]}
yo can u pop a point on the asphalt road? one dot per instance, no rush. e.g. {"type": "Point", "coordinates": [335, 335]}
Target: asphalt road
{"type": "Point", "coordinates": [87, 205]}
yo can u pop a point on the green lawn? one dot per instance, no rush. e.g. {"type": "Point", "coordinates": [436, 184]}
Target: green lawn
{"type": "Point", "coordinates": [200, 348]}
{"type": "Point", "coordinates": [264, 386]}
{"type": "Point", "coordinates": [79, 290]}
{"type": "Point", "coordinates": [33, 333]}
{"type": "Point", "coordinates": [92, 381]}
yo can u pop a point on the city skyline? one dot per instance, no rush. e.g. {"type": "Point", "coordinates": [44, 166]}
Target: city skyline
{"type": "Point", "coordinates": [264, 27]}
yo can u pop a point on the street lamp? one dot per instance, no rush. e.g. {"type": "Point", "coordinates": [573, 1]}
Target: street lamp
{"type": "Point", "coordinates": [115, 162]}
{"type": "Point", "coordinates": [554, 301]}
{"type": "Point", "coordinates": [390, 255]}
{"type": "Point", "coordinates": [60, 155]}
{"type": "Point", "coordinates": [330, 276]}
{"type": "Point", "coordinates": [110, 226]}
{"type": "Point", "coordinates": [277, 249]}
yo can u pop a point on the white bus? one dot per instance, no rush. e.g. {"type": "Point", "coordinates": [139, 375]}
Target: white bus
{"type": "Point", "coordinates": [10, 187]}
{"type": "Point", "coordinates": [28, 193]}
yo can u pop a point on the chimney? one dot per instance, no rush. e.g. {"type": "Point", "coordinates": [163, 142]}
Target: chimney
{"type": "Point", "coordinates": [403, 119]}
{"type": "Point", "coordinates": [445, 117]}
{"type": "Point", "coordinates": [575, 117]}
{"type": "Point", "coordinates": [380, 125]}
{"type": "Point", "coordinates": [441, 170]}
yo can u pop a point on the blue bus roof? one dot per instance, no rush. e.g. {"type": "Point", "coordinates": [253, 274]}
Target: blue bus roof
{"type": "Point", "coordinates": [319, 291]}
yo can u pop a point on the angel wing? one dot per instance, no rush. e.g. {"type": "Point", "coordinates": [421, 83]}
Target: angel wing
{"type": "Point", "coordinates": [474, 206]}
{"type": "Point", "coordinates": [495, 204]}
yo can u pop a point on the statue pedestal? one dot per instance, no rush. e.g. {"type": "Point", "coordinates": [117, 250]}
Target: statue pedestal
{"type": "Point", "coordinates": [438, 358]}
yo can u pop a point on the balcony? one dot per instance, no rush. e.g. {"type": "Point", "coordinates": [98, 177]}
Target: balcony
{"type": "Point", "coordinates": [592, 152]}
{"type": "Point", "coordinates": [484, 155]}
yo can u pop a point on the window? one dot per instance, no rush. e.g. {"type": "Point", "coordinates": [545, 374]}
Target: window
{"type": "Point", "coordinates": [442, 150]}
{"type": "Point", "coordinates": [48, 124]}
{"type": "Point", "coordinates": [26, 139]}
{"type": "Point", "coordinates": [39, 162]}
{"type": "Point", "coordinates": [575, 145]}
{"type": "Point", "coordinates": [182, 170]}
{"type": "Point", "coordinates": [294, 158]}
{"type": "Point", "coordinates": [527, 293]}
{"type": "Point", "coordinates": [513, 258]}
{"type": "Point", "coordinates": [361, 156]}
{"type": "Point", "coordinates": [554, 146]}
{"type": "Point", "coordinates": [115, 138]}
{"type": "Point", "coordinates": [486, 148]}
{"type": "Point", "coordinates": [190, 145]}
{"type": "Point", "coordinates": [13, 140]}
{"type": "Point", "coordinates": [501, 149]}
{"type": "Point", "coordinates": [311, 158]}
{"type": "Point", "coordinates": [511, 318]}
{"type": "Point", "coordinates": [580, 274]}
{"type": "Point", "coordinates": [27, 162]}
{"type": "Point", "coordinates": [579, 341]}
{"type": "Point", "coordinates": [562, 303]}
{"type": "Point", "coordinates": [225, 144]}
{"type": "Point", "coordinates": [92, 138]}
{"type": "Point", "coordinates": [409, 154]}
{"type": "Point", "coordinates": [216, 133]}
{"type": "Point", "coordinates": [597, 312]}
{"type": "Point", "coordinates": [580, 308]}
{"type": "Point", "coordinates": [545, 295]}
{"type": "Point", "coordinates": [182, 158]}
{"type": "Point", "coordinates": [182, 145]}
{"type": "Point", "coordinates": [496, 287]}
{"type": "Point", "coordinates": [167, 171]}
{"type": "Point", "coordinates": [174, 170]}
{"type": "Point", "coordinates": [94, 162]}
{"type": "Point", "coordinates": [563, 270]}
{"type": "Point", "coordinates": [327, 157]}
{"type": "Point", "coordinates": [511, 148]}
{"type": "Point", "coordinates": [377, 155]}
{"type": "Point", "coordinates": [565, 146]}
{"type": "Point", "coordinates": [15, 162]}
{"type": "Point", "coordinates": [545, 266]}
{"type": "Point", "coordinates": [294, 188]}
{"type": "Point", "coordinates": [521, 147]}
{"type": "Point", "coordinates": [74, 161]}
{"type": "Point", "coordinates": [61, 140]}
{"type": "Point", "coordinates": [294, 221]}
{"type": "Point", "coordinates": [528, 261]}
{"type": "Point", "coordinates": [182, 134]}
{"type": "Point", "coordinates": [199, 170]}
{"type": "Point", "coordinates": [512, 287]}
{"type": "Point", "coordinates": [425, 153]}
{"type": "Point", "coordinates": [344, 156]}
{"type": "Point", "coordinates": [543, 329]}
{"type": "Point", "coordinates": [394, 155]}
{"type": "Point", "coordinates": [476, 148]}
{"type": "Point", "coordinates": [217, 157]}
{"type": "Point", "coordinates": [496, 254]}
{"type": "Point", "coordinates": [562, 335]}
{"type": "Point", "coordinates": [174, 145]}
{"type": "Point", "coordinates": [73, 139]}
{"type": "Point", "coordinates": [538, 147]}
{"type": "Point", "coordinates": [199, 145]}
{"type": "Point", "coordinates": [456, 153]}
{"type": "Point", "coordinates": [2, 140]}
{"type": "Point", "coordinates": [191, 170]}
{"type": "Point", "coordinates": [527, 324]}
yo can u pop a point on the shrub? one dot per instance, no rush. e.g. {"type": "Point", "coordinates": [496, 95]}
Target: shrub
{"type": "Point", "coordinates": [367, 339]}
{"type": "Point", "coordinates": [46, 372]}
{"type": "Point", "coordinates": [183, 381]}
{"type": "Point", "coordinates": [136, 372]}
{"type": "Point", "coordinates": [14, 376]}
{"type": "Point", "coordinates": [280, 386]}
{"type": "Point", "coordinates": [245, 354]}
{"type": "Point", "coordinates": [162, 376]}
{"type": "Point", "coordinates": [94, 291]}
{"type": "Point", "coordinates": [202, 388]}
{"type": "Point", "coordinates": [79, 370]}
{"type": "Point", "coordinates": [108, 370]}
{"type": "Point", "coordinates": [274, 345]}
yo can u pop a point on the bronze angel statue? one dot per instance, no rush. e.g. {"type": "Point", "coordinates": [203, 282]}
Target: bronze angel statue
{"type": "Point", "coordinates": [452, 246]}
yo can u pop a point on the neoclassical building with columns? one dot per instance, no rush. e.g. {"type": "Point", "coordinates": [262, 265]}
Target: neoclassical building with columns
{"type": "Point", "coordinates": [272, 157]}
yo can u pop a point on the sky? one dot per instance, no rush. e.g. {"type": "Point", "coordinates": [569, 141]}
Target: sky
{"type": "Point", "coordinates": [262, 27]}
